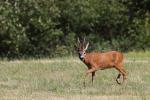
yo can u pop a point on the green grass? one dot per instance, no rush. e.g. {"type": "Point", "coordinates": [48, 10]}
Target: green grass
{"type": "Point", "coordinates": [61, 78]}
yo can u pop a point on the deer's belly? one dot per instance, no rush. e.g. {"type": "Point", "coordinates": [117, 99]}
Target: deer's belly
{"type": "Point", "coordinates": [105, 67]}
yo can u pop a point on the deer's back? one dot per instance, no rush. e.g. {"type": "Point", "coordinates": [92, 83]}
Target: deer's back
{"type": "Point", "coordinates": [104, 59]}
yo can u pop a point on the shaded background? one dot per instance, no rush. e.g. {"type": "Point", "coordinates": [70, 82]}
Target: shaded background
{"type": "Point", "coordinates": [48, 28]}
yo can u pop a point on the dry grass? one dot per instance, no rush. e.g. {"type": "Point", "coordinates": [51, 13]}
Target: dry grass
{"type": "Point", "coordinates": [61, 79]}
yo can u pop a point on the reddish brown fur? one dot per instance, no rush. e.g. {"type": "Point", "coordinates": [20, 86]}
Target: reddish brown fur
{"type": "Point", "coordinates": [103, 60]}
{"type": "Point", "coordinates": [99, 61]}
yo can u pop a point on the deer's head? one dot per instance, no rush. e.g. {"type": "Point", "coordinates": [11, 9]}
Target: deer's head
{"type": "Point", "coordinates": [81, 48]}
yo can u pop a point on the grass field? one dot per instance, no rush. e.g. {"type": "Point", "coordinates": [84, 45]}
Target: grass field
{"type": "Point", "coordinates": [61, 79]}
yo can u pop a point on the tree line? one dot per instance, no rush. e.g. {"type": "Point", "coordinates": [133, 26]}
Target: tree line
{"type": "Point", "coordinates": [49, 28]}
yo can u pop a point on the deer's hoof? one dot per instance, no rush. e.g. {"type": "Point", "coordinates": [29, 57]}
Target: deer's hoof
{"type": "Point", "coordinates": [118, 81]}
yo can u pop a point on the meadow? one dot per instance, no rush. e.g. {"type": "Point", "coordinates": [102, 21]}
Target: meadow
{"type": "Point", "coordinates": [61, 79]}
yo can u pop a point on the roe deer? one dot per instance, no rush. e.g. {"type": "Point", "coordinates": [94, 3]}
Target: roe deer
{"type": "Point", "coordinates": [99, 61]}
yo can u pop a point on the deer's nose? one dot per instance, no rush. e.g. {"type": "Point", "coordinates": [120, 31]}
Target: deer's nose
{"type": "Point", "coordinates": [81, 54]}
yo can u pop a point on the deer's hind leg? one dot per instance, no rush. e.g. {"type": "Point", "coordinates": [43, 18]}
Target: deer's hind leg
{"type": "Point", "coordinates": [118, 78]}
{"type": "Point", "coordinates": [122, 71]}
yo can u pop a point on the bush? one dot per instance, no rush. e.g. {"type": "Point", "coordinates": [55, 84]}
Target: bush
{"type": "Point", "coordinates": [48, 28]}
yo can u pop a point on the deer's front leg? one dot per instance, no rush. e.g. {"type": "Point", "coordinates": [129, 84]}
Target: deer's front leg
{"type": "Point", "coordinates": [93, 74]}
{"type": "Point", "coordinates": [92, 70]}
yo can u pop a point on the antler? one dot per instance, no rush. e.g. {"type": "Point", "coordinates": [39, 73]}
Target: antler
{"type": "Point", "coordinates": [83, 45]}
{"type": "Point", "coordinates": [78, 40]}
{"type": "Point", "coordinates": [78, 44]}
{"type": "Point", "coordinates": [86, 46]}
{"type": "Point", "coordinates": [84, 42]}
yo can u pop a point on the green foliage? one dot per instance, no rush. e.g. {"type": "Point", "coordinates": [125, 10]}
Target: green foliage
{"type": "Point", "coordinates": [49, 27]}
